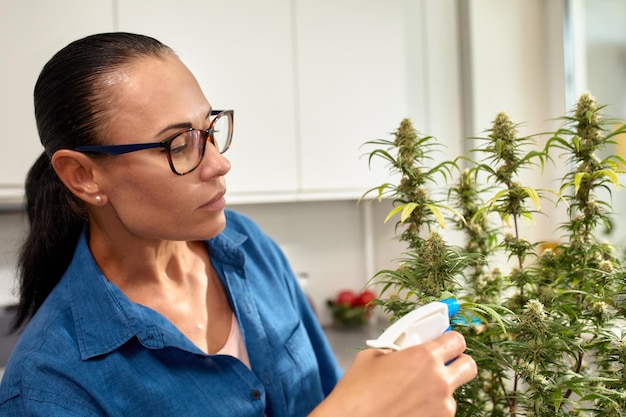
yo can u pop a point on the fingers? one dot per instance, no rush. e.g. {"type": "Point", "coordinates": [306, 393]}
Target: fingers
{"type": "Point", "coordinates": [448, 349]}
{"type": "Point", "coordinates": [448, 346]}
{"type": "Point", "coordinates": [462, 370]}
{"type": "Point", "coordinates": [444, 353]}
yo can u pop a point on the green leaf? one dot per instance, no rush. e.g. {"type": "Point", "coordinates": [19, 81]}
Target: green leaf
{"type": "Point", "coordinates": [381, 192]}
{"type": "Point", "coordinates": [407, 210]}
{"type": "Point", "coordinates": [557, 397]}
{"type": "Point", "coordinates": [577, 180]}
{"type": "Point", "coordinates": [528, 217]}
{"type": "Point", "coordinates": [490, 311]}
{"type": "Point", "coordinates": [499, 147]}
{"type": "Point", "coordinates": [437, 213]}
{"type": "Point", "coordinates": [393, 212]}
{"type": "Point", "coordinates": [534, 196]}
{"type": "Point", "coordinates": [612, 175]}
{"type": "Point", "coordinates": [458, 214]}
{"type": "Point", "coordinates": [499, 195]}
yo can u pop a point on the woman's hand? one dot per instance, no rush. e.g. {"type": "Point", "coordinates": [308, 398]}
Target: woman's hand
{"type": "Point", "coordinates": [412, 382]}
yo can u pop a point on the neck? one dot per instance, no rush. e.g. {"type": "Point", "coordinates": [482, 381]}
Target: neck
{"type": "Point", "coordinates": [140, 262]}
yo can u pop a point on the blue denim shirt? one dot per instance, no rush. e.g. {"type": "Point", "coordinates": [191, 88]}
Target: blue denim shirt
{"type": "Point", "coordinates": [90, 351]}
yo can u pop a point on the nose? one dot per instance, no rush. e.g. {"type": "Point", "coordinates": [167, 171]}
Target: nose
{"type": "Point", "coordinates": [213, 164]}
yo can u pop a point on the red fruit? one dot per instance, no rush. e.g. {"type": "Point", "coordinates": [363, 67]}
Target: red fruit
{"type": "Point", "coordinates": [365, 298]}
{"type": "Point", "coordinates": [345, 297]}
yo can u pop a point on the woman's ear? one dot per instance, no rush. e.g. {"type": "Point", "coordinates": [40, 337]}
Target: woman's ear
{"type": "Point", "coordinates": [76, 171]}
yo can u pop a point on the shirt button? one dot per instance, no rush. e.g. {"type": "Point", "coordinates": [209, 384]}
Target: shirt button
{"type": "Point", "coordinates": [256, 394]}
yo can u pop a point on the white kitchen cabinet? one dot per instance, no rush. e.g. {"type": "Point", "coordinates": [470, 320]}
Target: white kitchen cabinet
{"type": "Point", "coordinates": [30, 33]}
{"type": "Point", "coordinates": [363, 66]}
{"type": "Point", "coordinates": [310, 80]}
{"type": "Point", "coordinates": [241, 53]}
{"type": "Point", "coordinates": [353, 86]}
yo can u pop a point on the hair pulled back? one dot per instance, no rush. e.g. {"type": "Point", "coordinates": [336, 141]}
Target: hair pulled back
{"type": "Point", "coordinates": [72, 100]}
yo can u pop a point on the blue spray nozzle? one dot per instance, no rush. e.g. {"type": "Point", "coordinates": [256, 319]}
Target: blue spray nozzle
{"type": "Point", "coordinates": [453, 306]}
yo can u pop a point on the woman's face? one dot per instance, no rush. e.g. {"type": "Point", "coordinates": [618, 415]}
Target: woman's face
{"type": "Point", "coordinates": [153, 99]}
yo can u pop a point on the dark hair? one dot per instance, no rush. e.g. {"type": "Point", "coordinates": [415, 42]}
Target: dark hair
{"type": "Point", "coordinates": [72, 105]}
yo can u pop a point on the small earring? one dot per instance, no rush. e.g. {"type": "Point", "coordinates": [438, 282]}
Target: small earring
{"type": "Point", "coordinates": [98, 199]}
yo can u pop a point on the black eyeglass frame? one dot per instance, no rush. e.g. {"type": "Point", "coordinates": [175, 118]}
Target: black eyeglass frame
{"type": "Point", "coordinates": [127, 148]}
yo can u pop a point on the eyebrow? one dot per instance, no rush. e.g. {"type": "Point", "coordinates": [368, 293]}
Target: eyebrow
{"type": "Point", "coordinates": [183, 125]}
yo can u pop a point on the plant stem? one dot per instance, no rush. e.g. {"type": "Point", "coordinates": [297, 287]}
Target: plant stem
{"type": "Point", "coordinates": [513, 402]}
{"type": "Point", "coordinates": [579, 366]}
{"type": "Point", "coordinates": [510, 401]}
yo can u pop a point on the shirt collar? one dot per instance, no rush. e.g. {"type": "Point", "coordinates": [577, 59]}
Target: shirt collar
{"type": "Point", "coordinates": [93, 298]}
{"type": "Point", "coordinates": [226, 247]}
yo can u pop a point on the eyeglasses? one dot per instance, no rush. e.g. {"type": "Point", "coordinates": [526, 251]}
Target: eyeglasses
{"type": "Point", "coordinates": [185, 149]}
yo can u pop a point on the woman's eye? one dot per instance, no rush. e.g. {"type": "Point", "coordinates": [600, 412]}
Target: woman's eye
{"type": "Point", "coordinates": [177, 150]}
{"type": "Point", "coordinates": [180, 145]}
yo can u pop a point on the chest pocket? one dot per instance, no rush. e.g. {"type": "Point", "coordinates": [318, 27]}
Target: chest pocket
{"type": "Point", "coordinates": [300, 373]}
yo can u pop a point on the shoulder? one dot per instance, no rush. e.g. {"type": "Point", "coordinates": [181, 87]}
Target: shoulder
{"type": "Point", "coordinates": [46, 350]}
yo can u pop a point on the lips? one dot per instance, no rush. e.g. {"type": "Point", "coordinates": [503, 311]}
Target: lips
{"type": "Point", "coordinates": [218, 202]}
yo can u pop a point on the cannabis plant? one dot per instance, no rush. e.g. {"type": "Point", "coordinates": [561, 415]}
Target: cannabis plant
{"type": "Point", "coordinates": [544, 322]}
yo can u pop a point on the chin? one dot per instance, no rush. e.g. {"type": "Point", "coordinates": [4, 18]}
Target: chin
{"type": "Point", "coordinates": [213, 226]}
{"type": "Point", "coordinates": [196, 228]}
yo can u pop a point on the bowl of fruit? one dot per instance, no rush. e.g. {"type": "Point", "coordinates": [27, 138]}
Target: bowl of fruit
{"type": "Point", "coordinates": [351, 309]}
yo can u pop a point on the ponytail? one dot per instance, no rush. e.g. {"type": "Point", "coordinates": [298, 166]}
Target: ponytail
{"type": "Point", "coordinates": [72, 107]}
{"type": "Point", "coordinates": [56, 219]}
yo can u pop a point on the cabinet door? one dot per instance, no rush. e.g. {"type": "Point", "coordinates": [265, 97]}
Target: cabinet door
{"type": "Point", "coordinates": [241, 53]}
{"type": "Point", "coordinates": [30, 33]}
{"type": "Point", "coordinates": [357, 76]}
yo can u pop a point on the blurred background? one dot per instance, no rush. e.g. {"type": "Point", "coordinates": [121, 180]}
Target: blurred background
{"type": "Point", "coordinates": [311, 81]}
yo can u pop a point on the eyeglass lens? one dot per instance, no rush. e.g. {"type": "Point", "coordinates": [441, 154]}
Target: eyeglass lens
{"type": "Point", "coordinates": [187, 149]}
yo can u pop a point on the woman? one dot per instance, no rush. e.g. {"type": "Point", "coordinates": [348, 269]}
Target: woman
{"type": "Point", "coordinates": [144, 296]}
